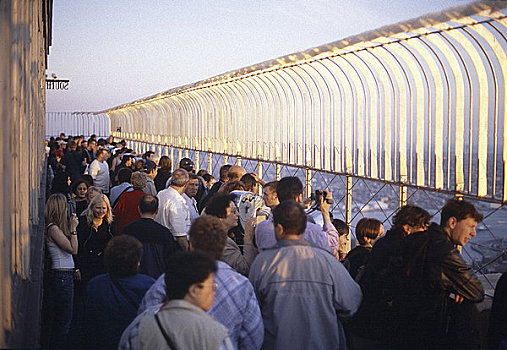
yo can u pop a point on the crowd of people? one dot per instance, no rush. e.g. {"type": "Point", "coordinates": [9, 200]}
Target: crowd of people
{"type": "Point", "coordinates": [143, 257]}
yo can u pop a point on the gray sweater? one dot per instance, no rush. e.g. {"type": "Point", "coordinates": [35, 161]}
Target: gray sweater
{"type": "Point", "coordinates": [188, 326]}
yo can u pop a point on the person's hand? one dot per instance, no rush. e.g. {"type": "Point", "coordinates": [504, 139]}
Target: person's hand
{"type": "Point", "coordinates": [458, 299]}
{"type": "Point", "coordinates": [73, 222]}
{"type": "Point", "coordinates": [77, 275]}
{"type": "Point", "coordinates": [324, 205]}
{"type": "Point", "coordinates": [258, 179]}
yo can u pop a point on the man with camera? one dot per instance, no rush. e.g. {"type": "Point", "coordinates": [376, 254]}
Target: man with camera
{"type": "Point", "coordinates": [326, 237]}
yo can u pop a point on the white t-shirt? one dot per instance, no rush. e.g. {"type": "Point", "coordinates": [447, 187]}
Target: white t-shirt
{"type": "Point", "coordinates": [100, 173]}
{"type": "Point", "coordinates": [173, 212]}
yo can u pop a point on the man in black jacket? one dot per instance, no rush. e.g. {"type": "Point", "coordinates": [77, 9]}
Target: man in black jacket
{"type": "Point", "coordinates": [157, 240]}
{"type": "Point", "coordinates": [440, 287]}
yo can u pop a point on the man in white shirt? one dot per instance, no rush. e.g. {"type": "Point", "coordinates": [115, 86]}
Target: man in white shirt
{"type": "Point", "coordinates": [173, 212]}
{"type": "Point", "coordinates": [190, 192]}
{"type": "Point", "coordinates": [99, 170]}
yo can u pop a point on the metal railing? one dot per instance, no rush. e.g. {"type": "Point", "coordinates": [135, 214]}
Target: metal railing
{"type": "Point", "coordinates": [358, 197]}
{"type": "Point", "coordinates": [415, 111]}
{"type": "Point", "coordinates": [421, 103]}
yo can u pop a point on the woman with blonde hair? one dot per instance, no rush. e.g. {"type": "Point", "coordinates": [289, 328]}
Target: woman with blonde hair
{"type": "Point", "coordinates": [62, 242]}
{"type": "Point", "coordinates": [94, 232]}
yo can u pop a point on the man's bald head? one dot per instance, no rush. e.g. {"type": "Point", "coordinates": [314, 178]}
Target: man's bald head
{"type": "Point", "coordinates": [236, 172]}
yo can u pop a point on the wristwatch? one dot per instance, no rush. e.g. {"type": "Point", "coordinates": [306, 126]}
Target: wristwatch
{"type": "Point", "coordinates": [74, 233]}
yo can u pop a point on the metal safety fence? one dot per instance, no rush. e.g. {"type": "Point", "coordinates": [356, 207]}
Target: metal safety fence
{"type": "Point", "coordinates": [357, 197]}
{"type": "Point", "coordinates": [409, 113]}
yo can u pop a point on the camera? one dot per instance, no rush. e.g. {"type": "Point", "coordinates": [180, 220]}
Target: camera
{"type": "Point", "coordinates": [71, 208]}
{"type": "Point", "coordinates": [325, 194]}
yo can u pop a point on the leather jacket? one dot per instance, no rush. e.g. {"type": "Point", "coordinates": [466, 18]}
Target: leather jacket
{"type": "Point", "coordinates": [445, 271]}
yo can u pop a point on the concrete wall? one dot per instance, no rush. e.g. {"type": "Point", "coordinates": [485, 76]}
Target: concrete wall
{"type": "Point", "coordinates": [25, 27]}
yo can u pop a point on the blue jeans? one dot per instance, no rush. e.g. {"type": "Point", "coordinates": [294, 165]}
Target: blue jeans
{"type": "Point", "coordinates": [61, 284]}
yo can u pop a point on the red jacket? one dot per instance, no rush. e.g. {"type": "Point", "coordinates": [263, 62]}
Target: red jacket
{"type": "Point", "coordinates": [126, 210]}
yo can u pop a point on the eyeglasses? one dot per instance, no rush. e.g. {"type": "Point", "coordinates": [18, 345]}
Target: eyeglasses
{"type": "Point", "coordinates": [213, 286]}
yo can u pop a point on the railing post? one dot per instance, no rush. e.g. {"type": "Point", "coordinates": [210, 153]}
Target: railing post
{"type": "Point", "coordinates": [171, 152]}
{"type": "Point", "coordinates": [186, 153]}
{"type": "Point", "coordinates": [348, 209]}
{"type": "Point", "coordinates": [308, 183]}
{"type": "Point", "coordinates": [226, 158]}
{"type": "Point", "coordinates": [210, 161]}
{"type": "Point", "coordinates": [196, 161]}
{"type": "Point", "coordinates": [402, 196]}
{"type": "Point", "coordinates": [277, 171]}
{"type": "Point", "coordinates": [259, 175]}
{"type": "Point", "coordinates": [238, 161]}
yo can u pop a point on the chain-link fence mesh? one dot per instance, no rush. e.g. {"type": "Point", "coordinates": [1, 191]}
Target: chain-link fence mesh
{"type": "Point", "coordinates": [486, 252]}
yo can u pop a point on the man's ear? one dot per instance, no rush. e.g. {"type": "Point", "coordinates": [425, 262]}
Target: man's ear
{"type": "Point", "coordinates": [279, 230]}
{"type": "Point", "coordinates": [299, 198]}
{"type": "Point", "coordinates": [192, 291]}
{"type": "Point", "coordinates": [452, 222]}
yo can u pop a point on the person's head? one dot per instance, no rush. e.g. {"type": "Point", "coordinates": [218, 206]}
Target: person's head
{"type": "Point", "coordinates": [230, 186]}
{"type": "Point", "coordinates": [289, 218]}
{"type": "Point", "coordinates": [459, 220]}
{"type": "Point", "coordinates": [61, 183]}
{"type": "Point", "coordinates": [99, 208]}
{"type": "Point", "coordinates": [124, 175]}
{"type": "Point", "coordinates": [72, 145]}
{"type": "Point", "coordinates": [209, 179]}
{"type": "Point", "coordinates": [187, 164]}
{"type": "Point", "coordinates": [92, 145]}
{"type": "Point", "coordinates": [290, 187]}
{"type": "Point", "coordinates": [343, 236]}
{"type": "Point", "coordinates": [368, 230]}
{"type": "Point", "coordinates": [122, 256]}
{"type": "Point", "coordinates": [208, 235]}
{"type": "Point", "coordinates": [139, 165]}
{"type": "Point", "coordinates": [269, 194]}
{"type": "Point", "coordinates": [101, 155]}
{"type": "Point", "coordinates": [151, 168]}
{"type": "Point", "coordinates": [92, 192]}
{"type": "Point", "coordinates": [179, 178]}
{"type": "Point", "coordinates": [127, 161]}
{"type": "Point", "coordinates": [190, 276]}
{"type": "Point", "coordinates": [88, 178]}
{"type": "Point", "coordinates": [62, 136]}
{"type": "Point", "coordinates": [165, 163]}
{"type": "Point", "coordinates": [411, 219]}
{"type": "Point", "coordinates": [56, 212]}
{"type": "Point", "coordinates": [223, 207]}
{"type": "Point", "coordinates": [147, 154]}
{"type": "Point", "coordinates": [250, 183]}
{"type": "Point", "coordinates": [138, 180]}
{"type": "Point", "coordinates": [202, 172]}
{"type": "Point", "coordinates": [79, 188]}
{"type": "Point", "coordinates": [236, 172]}
{"type": "Point", "coordinates": [224, 172]}
{"type": "Point", "coordinates": [148, 205]}
{"type": "Point", "coordinates": [192, 186]}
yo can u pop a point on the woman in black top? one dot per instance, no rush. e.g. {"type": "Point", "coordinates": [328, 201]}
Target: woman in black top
{"type": "Point", "coordinates": [94, 232]}
{"type": "Point", "coordinates": [164, 173]}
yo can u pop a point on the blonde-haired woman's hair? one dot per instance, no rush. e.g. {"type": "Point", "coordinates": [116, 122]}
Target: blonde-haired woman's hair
{"type": "Point", "coordinates": [56, 212]}
{"type": "Point", "coordinates": [96, 200]}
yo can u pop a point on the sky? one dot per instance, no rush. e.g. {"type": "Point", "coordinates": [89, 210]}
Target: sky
{"type": "Point", "coordinates": [118, 51]}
